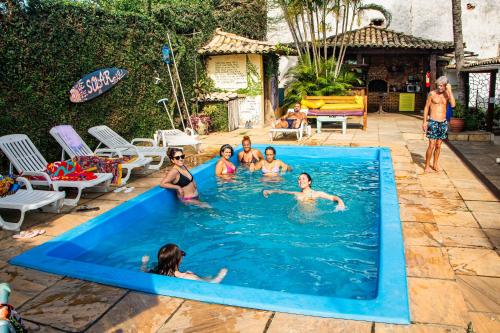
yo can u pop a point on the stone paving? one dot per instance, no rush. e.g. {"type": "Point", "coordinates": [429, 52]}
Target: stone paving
{"type": "Point", "coordinates": [451, 229]}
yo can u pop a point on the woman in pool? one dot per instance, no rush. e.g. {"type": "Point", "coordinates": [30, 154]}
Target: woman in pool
{"type": "Point", "coordinates": [249, 155]}
{"type": "Point", "coordinates": [270, 166]}
{"type": "Point", "coordinates": [169, 260]}
{"type": "Point", "coordinates": [179, 178]}
{"type": "Point", "coordinates": [308, 194]}
{"type": "Point", "coordinates": [224, 166]}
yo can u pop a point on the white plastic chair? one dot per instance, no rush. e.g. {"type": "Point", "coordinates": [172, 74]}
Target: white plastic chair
{"type": "Point", "coordinates": [300, 131]}
{"type": "Point", "coordinates": [29, 199]}
{"type": "Point", "coordinates": [177, 138]}
{"type": "Point", "coordinates": [81, 149]}
{"type": "Point", "coordinates": [112, 140]}
{"type": "Point", "coordinates": [28, 161]}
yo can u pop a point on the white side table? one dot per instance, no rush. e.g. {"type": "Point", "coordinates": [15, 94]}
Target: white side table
{"type": "Point", "coordinates": [331, 119]}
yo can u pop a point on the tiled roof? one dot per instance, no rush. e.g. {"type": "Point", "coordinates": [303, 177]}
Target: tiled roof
{"type": "Point", "coordinates": [217, 97]}
{"type": "Point", "coordinates": [229, 43]}
{"type": "Point", "coordinates": [377, 37]}
{"type": "Point", "coordinates": [478, 62]}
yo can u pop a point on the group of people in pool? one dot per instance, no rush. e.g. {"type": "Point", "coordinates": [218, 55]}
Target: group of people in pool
{"type": "Point", "coordinates": [179, 179]}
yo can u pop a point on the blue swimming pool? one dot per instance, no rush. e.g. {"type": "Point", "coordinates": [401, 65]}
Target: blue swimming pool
{"type": "Point", "coordinates": [281, 255]}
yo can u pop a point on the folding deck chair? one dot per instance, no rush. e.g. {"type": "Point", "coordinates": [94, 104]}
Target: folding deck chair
{"type": "Point", "coordinates": [29, 199]}
{"type": "Point", "coordinates": [73, 145]}
{"type": "Point", "coordinates": [28, 161]}
{"type": "Point", "coordinates": [112, 140]}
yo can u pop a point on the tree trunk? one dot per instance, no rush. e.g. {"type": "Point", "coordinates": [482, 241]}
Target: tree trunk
{"type": "Point", "coordinates": [458, 40]}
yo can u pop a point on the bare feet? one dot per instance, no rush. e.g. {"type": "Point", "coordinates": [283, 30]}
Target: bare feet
{"type": "Point", "coordinates": [428, 170]}
{"type": "Point", "coordinates": [437, 168]}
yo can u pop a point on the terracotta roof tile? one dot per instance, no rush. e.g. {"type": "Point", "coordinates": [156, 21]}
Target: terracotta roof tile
{"type": "Point", "coordinates": [372, 36]}
{"type": "Point", "coordinates": [229, 43]}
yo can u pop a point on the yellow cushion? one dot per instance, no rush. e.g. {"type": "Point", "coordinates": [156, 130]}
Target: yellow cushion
{"type": "Point", "coordinates": [340, 106]}
{"type": "Point", "coordinates": [312, 104]}
{"type": "Point", "coordinates": [358, 100]}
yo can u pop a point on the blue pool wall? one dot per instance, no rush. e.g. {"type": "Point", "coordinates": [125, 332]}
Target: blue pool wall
{"type": "Point", "coordinates": [390, 305]}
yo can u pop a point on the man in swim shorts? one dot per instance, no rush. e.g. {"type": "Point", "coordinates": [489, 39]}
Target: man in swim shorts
{"type": "Point", "coordinates": [434, 123]}
{"type": "Point", "coordinates": [291, 119]}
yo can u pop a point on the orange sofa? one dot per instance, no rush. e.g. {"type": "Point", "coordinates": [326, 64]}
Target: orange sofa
{"type": "Point", "coordinates": [350, 106]}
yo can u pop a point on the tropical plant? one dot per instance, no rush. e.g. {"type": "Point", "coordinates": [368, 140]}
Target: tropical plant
{"type": "Point", "coordinates": [304, 82]}
{"type": "Point", "coordinates": [309, 21]}
{"type": "Point", "coordinates": [459, 111]}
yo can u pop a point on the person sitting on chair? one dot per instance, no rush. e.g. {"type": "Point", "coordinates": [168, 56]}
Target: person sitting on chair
{"type": "Point", "coordinates": [291, 119]}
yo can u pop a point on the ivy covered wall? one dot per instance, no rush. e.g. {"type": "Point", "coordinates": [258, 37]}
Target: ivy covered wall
{"type": "Point", "coordinates": [49, 45]}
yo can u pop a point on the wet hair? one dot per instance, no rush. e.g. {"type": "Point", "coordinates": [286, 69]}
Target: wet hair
{"type": "Point", "coordinates": [308, 177]}
{"type": "Point", "coordinates": [246, 138]}
{"type": "Point", "coordinates": [270, 148]}
{"type": "Point", "coordinates": [224, 147]}
{"type": "Point", "coordinates": [441, 80]}
{"type": "Point", "coordinates": [169, 258]}
{"type": "Point", "coordinates": [171, 152]}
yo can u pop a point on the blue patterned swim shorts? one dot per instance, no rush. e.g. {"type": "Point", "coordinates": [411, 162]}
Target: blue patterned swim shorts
{"type": "Point", "coordinates": [437, 130]}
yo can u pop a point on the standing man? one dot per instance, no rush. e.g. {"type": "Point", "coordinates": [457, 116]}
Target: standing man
{"type": "Point", "coordinates": [435, 123]}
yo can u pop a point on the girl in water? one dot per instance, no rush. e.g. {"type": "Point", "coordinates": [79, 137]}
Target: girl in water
{"type": "Point", "coordinates": [169, 260]}
{"type": "Point", "coordinates": [224, 166]}
{"type": "Point", "coordinates": [270, 166]}
{"type": "Point", "coordinates": [179, 178]}
{"type": "Point", "coordinates": [249, 155]}
{"type": "Point", "coordinates": [308, 194]}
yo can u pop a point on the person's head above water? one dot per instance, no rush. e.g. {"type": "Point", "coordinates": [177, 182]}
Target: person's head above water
{"type": "Point", "coordinates": [304, 180]}
{"type": "Point", "coordinates": [169, 259]}
{"type": "Point", "coordinates": [270, 154]}
{"type": "Point", "coordinates": [246, 143]}
{"type": "Point", "coordinates": [176, 156]}
{"type": "Point", "coordinates": [226, 151]}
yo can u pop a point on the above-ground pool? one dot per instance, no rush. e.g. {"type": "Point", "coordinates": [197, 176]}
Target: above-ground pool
{"type": "Point", "coordinates": [281, 255]}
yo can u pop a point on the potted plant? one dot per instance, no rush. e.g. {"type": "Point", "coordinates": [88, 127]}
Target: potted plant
{"type": "Point", "coordinates": [457, 123]}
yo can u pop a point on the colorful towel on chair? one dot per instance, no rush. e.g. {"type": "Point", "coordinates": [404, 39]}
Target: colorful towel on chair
{"type": "Point", "coordinates": [8, 185]}
{"type": "Point", "coordinates": [104, 165]}
{"type": "Point", "coordinates": [69, 171]}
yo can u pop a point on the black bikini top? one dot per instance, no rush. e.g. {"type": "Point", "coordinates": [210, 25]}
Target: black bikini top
{"type": "Point", "coordinates": [183, 180]}
{"type": "Point", "coordinates": [254, 160]}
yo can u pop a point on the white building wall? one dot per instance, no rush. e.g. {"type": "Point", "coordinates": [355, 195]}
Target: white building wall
{"type": "Point", "coordinates": [427, 19]}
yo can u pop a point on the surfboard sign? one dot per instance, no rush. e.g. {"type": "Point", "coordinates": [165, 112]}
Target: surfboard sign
{"type": "Point", "coordinates": [95, 84]}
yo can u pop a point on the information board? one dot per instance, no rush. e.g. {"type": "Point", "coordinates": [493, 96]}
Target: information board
{"type": "Point", "coordinates": [228, 72]}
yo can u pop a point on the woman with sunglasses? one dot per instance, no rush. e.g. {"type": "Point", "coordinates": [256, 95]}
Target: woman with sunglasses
{"type": "Point", "coordinates": [224, 167]}
{"type": "Point", "coordinates": [249, 155]}
{"type": "Point", "coordinates": [270, 166]}
{"type": "Point", "coordinates": [179, 178]}
{"type": "Point", "coordinates": [170, 258]}
{"type": "Point", "coordinates": [307, 193]}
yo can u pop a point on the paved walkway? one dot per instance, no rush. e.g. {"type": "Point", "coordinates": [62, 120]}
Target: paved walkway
{"type": "Point", "coordinates": [451, 226]}
{"type": "Point", "coordinates": [483, 157]}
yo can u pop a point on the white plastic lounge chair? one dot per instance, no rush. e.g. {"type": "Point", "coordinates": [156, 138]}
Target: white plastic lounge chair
{"type": "Point", "coordinates": [28, 161]}
{"type": "Point", "coordinates": [29, 199]}
{"type": "Point", "coordinates": [177, 138]}
{"type": "Point", "coordinates": [112, 140]}
{"type": "Point", "coordinates": [73, 145]}
{"type": "Point", "coordinates": [300, 131]}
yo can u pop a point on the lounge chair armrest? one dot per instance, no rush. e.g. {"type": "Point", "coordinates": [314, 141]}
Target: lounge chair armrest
{"type": "Point", "coordinates": [109, 152]}
{"type": "Point", "coordinates": [191, 132]}
{"type": "Point", "coordinates": [151, 141]}
{"type": "Point", "coordinates": [26, 183]}
{"type": "Point", "coordinates": [131, 147]}
{"type": "Point", "coordinates": [38, 173]}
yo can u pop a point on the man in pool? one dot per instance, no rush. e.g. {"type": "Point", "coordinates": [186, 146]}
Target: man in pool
{"type": "Point", "coordinates": [308, 194]}
{"type": "Point", "coordinates": [291, 119]}
{"type": "Point", "coordinates": [436, 125]}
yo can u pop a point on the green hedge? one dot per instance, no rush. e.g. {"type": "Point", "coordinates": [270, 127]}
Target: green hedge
{"type": "Point", "coordinates": [49, 45]}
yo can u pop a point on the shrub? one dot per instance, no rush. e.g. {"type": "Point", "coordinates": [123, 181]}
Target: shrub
{"type": "Point", "coordinates": [218, 114]}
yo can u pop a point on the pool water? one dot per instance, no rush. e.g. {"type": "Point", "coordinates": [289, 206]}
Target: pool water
{"type": "Point", "coordinates": [282, 255]}
{"type": "Point", "coordinates": [275, 243]}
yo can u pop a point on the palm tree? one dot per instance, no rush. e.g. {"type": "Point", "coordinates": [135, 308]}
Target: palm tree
{"type": "Point", "coordinates": [458, 39]}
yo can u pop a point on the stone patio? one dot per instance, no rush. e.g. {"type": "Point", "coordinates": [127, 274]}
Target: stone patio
{"type": "Point", "coordinates": [451, 228]}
